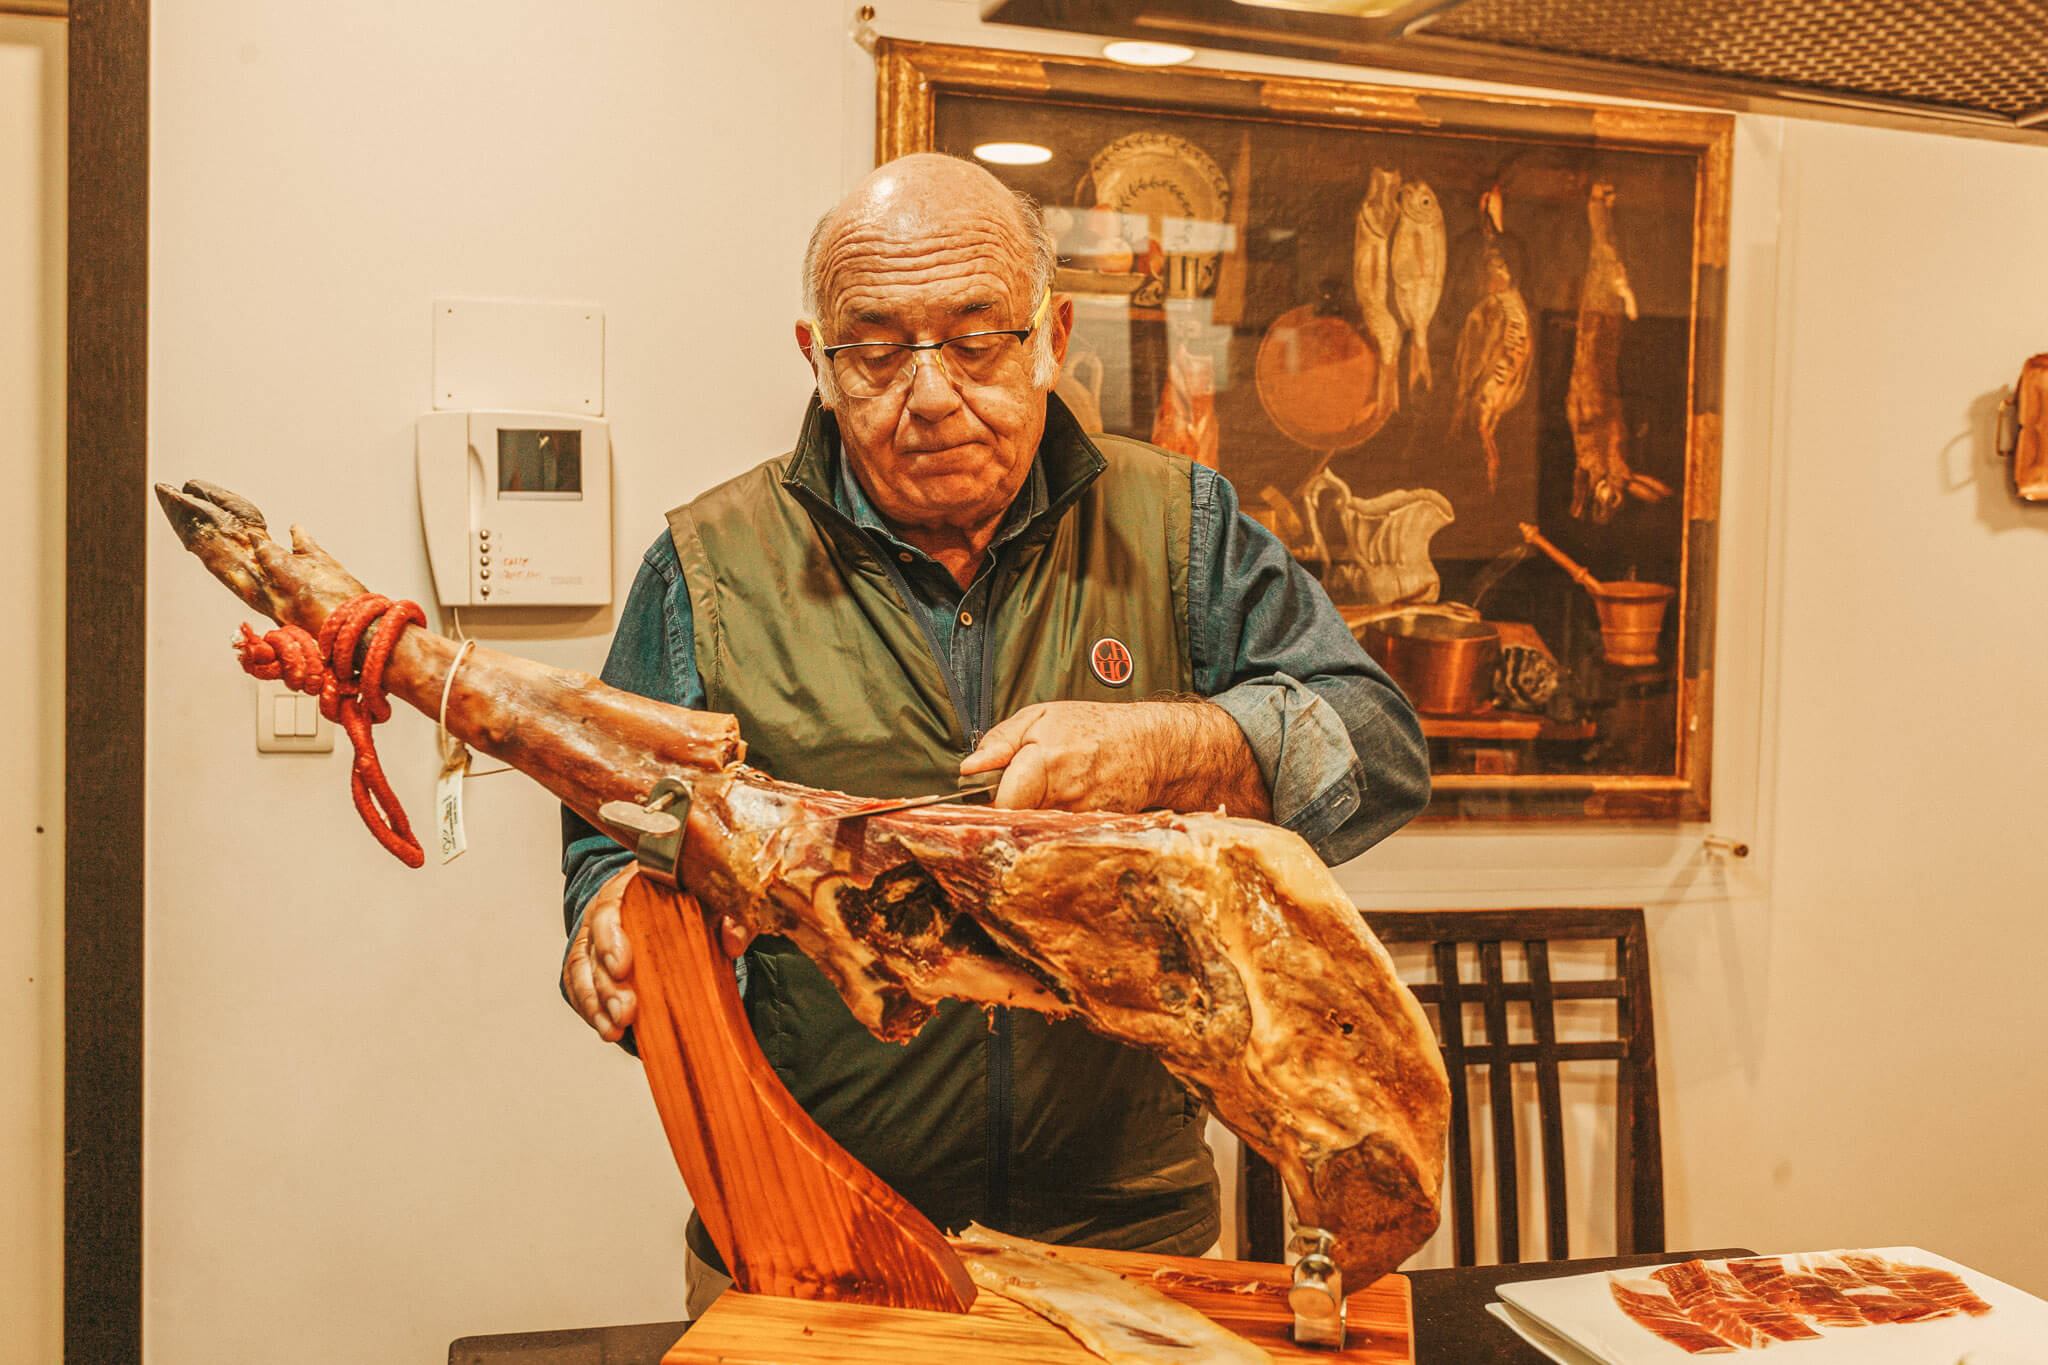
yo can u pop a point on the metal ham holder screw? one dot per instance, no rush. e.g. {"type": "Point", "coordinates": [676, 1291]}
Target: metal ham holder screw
{"type": "Point", "coordinates": [1317, 1294]}
{"type": "Point", "coordinates": [653, 829]}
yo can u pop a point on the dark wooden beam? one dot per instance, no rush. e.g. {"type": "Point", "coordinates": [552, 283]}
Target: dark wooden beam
{"type": "Point", "coordinates": [105, 506]}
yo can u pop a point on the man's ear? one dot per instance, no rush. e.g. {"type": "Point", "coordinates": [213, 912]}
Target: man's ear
{"type": "Point", "coordinates": [807, 342]}
{"type": "Point", "coordinates": [1060, 319]}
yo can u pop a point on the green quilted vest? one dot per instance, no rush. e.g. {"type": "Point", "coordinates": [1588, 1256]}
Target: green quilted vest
{"type": "Point", "coordinates": [1033, 1126]}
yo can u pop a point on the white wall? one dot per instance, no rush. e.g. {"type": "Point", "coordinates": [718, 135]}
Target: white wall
{"type": "Point", "coordinates": [32, 685]}
{"type": "Point", "coordinates": [1859, 1058]}
{"type": "Point", "coordinates": [372, 1126]}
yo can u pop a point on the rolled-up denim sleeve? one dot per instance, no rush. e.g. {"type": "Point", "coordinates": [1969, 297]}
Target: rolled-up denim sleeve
{"type": "Point", "coordinates": [1339, 746]}
{"type": "Point", "coordinates": [653, 654]}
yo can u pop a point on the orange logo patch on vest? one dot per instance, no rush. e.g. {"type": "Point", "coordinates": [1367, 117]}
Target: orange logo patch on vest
{"type": "Point", "coordinates": [1110, 661]}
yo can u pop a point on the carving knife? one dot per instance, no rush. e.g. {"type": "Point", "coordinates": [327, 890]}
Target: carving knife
{"type": "Point", "coordinates": [980, 792]}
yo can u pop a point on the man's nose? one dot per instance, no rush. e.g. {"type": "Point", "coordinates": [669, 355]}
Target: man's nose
{"type": "Point", "coordinates": [932, 391]}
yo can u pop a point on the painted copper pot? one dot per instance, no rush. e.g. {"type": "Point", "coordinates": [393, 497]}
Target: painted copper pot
{"type": "Point", "coordinates": [1443, 663]}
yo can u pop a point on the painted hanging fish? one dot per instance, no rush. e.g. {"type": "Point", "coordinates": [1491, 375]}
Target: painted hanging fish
{"type": "Point", "coordinates": [1496, 345]}
{"type": "Point", "coordinates": [1420, 250]}
{"type": "Point", "coordinates": [1371, 252]}
{"type": "Point", "coordinates": [1603, 478]}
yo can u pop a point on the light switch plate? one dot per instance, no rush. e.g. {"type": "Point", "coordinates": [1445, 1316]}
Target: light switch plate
{"type": "Point", "coordinates": [288, 722]}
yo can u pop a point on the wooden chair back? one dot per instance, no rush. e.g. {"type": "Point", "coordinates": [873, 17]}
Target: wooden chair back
{"type": "Point", "coordinates": [1638, 1143]}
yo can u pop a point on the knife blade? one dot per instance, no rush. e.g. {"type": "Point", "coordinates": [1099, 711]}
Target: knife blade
{"type": "Point", "coordinates": [963, 796]}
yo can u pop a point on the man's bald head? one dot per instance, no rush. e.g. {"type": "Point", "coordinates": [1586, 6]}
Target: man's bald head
{"type": "Point", "coordinates": [914, 280]}
{"type": "Point", "coordinates": [923, 197]}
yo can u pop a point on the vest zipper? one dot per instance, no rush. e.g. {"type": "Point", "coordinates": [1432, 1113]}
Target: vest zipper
{"type": "Point", "coordinates": [974, 723]}
{"type": "Point", "coordinates": [961, 712]}
{"type": "Point", "coordinates": [1001, 1043]}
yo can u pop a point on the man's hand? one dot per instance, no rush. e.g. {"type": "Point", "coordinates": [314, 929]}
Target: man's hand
{"type": "Point", "coordinates": [1122, 756]}
{"type": "Point", "coordinates": [600, 963]}
{"type": "Point", "coordinates": [598, 972]}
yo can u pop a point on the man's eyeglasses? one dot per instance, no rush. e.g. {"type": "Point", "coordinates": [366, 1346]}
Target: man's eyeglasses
{"type": "Point", "coordinates": [869, 369]}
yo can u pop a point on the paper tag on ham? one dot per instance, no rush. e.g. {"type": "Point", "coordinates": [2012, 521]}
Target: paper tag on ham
{"type": "Point", "coordinates": [448, 806]}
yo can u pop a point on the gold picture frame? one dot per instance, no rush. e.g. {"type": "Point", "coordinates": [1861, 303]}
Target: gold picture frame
{"type": "Point", "coordinates": [1461, 353]}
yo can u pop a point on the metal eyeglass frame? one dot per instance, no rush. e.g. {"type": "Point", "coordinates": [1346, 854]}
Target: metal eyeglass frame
{"type": "Point", "coordinates": [910, 348]}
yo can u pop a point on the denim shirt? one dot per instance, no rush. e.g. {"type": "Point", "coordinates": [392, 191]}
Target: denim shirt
{"type": "Point", "coordinates": [1339, 747]}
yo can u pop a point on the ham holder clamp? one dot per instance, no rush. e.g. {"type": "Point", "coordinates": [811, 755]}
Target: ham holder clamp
{"type": "Point", "coordinates": [1221, 946]}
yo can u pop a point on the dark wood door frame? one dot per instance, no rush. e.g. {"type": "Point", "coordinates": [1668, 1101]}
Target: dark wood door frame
{"type": "Point", "coordinates": [106, 410]}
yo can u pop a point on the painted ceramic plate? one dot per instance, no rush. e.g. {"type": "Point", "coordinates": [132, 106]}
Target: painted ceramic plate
{"type": "Point", "coordinates": [1182, 193]}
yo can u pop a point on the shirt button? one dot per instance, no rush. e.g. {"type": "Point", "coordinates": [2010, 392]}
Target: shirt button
{"type": "Point", "coordinates": [903, 555]}
{"type": "Point", "coordinates": [966, 618]}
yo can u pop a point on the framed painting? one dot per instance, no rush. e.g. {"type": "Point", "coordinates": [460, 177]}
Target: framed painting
{"type": "Point", "coordinates": [1460, 353]}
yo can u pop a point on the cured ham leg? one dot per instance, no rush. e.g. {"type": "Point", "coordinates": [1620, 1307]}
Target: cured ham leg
{"type": "Point", "coordinates": [1222, 946]}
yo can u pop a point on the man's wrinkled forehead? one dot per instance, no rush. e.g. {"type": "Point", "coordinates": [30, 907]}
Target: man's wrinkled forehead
{"type": "Point", "coordinates": [964, 277]}
{"type": "Point", "coordinates": [956, 243]}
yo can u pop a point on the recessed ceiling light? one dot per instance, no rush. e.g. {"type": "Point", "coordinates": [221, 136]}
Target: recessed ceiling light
{"type": "Point", "coordinates": [1148, 54]}
{"type": "Point", "coordinates": [1013, 153]}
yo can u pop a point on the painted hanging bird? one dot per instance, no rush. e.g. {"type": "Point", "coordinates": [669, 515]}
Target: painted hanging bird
{"type": "Point", "coordinates": [1496, 345]}
{"type": "Point", "coordinates": [1371, 251]}
{"type": "Point", "coordinates": [1593, 401]}
{"type": "Point", "coordinates": [1420, 250]}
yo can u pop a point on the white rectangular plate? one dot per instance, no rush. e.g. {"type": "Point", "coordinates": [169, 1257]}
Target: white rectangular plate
{"type": "Point", "coordinates": [1541, 1337]}
{"type": "Point", "coordinates": [1581, 1309]}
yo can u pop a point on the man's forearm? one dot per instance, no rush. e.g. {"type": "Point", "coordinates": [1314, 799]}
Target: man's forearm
{"type": "Point", "coordinates": [1203, 760]}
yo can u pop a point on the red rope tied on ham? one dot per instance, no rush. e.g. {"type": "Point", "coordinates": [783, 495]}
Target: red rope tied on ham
{"type": "Point", "coordinates": [320, 668]}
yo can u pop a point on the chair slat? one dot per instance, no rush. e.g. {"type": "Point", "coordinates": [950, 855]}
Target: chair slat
{"type": "Point", "coordinates": [1639, 1145]}
{"type": "Point", "coordinates": [1451, 1020]}
{"type": "Point", "coordinates": [1549, 1102]}
{"type": "Point", "coordinates": [1500, 1082]}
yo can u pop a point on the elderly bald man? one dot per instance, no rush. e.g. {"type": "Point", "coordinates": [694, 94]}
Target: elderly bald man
{"type": "Point", "coordinates": [946, 576]}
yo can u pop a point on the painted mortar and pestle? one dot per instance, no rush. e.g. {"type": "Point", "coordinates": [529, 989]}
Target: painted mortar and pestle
{"type": "Point", "coordinates": [1631, 613]}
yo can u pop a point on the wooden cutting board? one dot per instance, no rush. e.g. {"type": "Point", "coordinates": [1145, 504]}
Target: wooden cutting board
{"type": "Point", "coordinates": [753, 1329]}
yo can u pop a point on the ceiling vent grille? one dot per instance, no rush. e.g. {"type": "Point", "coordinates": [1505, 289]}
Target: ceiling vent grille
{"type": "Point", "coordinates": [1989, 55]}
